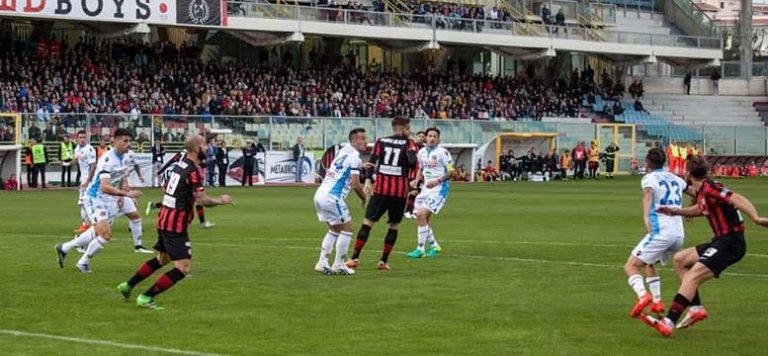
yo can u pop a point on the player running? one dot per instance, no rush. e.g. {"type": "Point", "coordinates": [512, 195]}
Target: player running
{"type": "Point", "coordinates": [105, 199]}
{"type": "Point", "coordinates": [436, 169]}
{"type": "Point", "coordinates": [664, 234]}
{"type": "Point", "coordinates": [392, 158]}
{"type": "Point", "coordinates": [331, 206]}
{"type": "Point", "coordinates": [696, 265]}
{"type": "Point", "coordinates": [85, 156]}
{"type": "Point", "coordinates": [184, 188]}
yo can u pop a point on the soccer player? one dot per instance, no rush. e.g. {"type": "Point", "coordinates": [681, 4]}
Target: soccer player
{"type": "Point", "coordinates": [392, 158]}
{"type": "Point", "coordinates": [85, 156]}
{"type": "Point", "coordinates": [664, 234]}
{"type": "Point", "coordinates": [421, 139]}
{"type": "Point", "coordinates": [330, 204]}
{"type": "Point", "coordinates": [105, 199]}
{"type": "Point", "coordinates": [696, 265]}
{"type": "Point", "coordinates": [436, 168]}
{"type": "Point", "coordinates": [184, 188]}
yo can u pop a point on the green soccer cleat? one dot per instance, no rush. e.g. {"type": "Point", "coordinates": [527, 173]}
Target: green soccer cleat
{"type": "Point", "coordinates": [434, 252]}
{"type": "Point", "coordinates": [143, 301]}
{"type": "Point", "coordinates": [416, 254]}
{"type": "Point", "coordinates": [125, 290]}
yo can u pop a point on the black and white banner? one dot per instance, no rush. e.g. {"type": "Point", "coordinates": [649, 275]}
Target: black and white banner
{"type": "Point", "coordinates": [200, 12]}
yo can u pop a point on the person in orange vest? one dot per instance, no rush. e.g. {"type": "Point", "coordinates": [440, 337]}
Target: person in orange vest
{"type": "Point", "coordinates": [565, 163]}
{"type": "Point", "coordinates": [101, 149]}
{"type": "Point", "coordinates": [593, 156]}
{"type": "Point", "coordinates": [671, 156]}
{"type": "Point", "coordinates": [28, 163]}
{"type": "Point", "coordinates": [682, 154]}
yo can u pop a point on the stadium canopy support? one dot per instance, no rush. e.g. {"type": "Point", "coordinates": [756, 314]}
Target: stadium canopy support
{"type": "Point", "coordinates": [259, 39]}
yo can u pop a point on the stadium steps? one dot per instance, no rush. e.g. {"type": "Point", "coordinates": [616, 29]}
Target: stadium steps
{"type": "Point", "coordinates": [706, 110]}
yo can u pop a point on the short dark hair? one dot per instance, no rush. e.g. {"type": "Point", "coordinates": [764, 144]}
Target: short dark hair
{"type": "Point", "coordinates": [354, 132]}
{"type": "Point", "coordinates": [432, 129]}
{"type": "Point", "coordinates": [697, 166]}
{"type": "Point", "coordinates": [81, 132]}
{"type": "Point", "coordinates": [656, 158]}
{"type": "Point", "coordinates": [122, 132]}
{"type": "Point", "coordinates": [421, 133]}
{"type": "Point", "coordinates": [400, 121]}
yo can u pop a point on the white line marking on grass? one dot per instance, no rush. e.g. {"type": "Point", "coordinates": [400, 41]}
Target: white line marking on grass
{"type": "Point", "coordinates": [105, 343]}
{"type": "Point", "coordinates": [757, 255]}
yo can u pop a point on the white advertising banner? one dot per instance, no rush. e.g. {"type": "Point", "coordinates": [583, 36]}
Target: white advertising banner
{"type": "Point", "coordinates": [135, 11]}
{"type": "Point", "coordinates": [281, 168]}
{"type": "Point", "coordinates": [234, 175]}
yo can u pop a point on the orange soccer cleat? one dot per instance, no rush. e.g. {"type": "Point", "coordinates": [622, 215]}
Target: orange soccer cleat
{"type": "Point", "coordinates": [641, 303]}
{"type": "Point", "coordinates": [352, 264]}
{"type": "Point", "coordinates": [83, 228]}
{"type": "Point", "coordinates": [663, 326]}
{"type": "Point", "coordinates": [383, 266]}
{"type": "Point", "coordinates": [694, 315]}
{"type": "Point", "coordinates": [658, 307]}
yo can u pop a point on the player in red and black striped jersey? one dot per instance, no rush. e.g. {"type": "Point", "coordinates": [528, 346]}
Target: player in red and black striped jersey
{"type": "Point", "coordinates": [183, 189]}
{"type": "Point", "coordinates": [698, 264]}
{"type": "Point", "coordinates": [392, 159]}
{"type": "Point", "coordinates": [421, 140]}
{"type": "Point", "coordinates": [325, 161]}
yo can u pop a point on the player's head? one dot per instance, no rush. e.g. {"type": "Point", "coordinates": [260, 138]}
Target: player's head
{"type": "Point", "coordinates": [433, 136]}
{"type": "Point", "coordinates": [696, 167]}
{"type": "Point", "coordinates": [401, 126]}
{"type": "Point", "coordinates": [421, 137]}
{"type": "Point", "coordinates": [66, 138]}
{"type": "Point", "coordinates": [81, 137]}
{"type": "Point", "coordinates": [358, 139]}
{"type": "Point", "coordinates": [195, 146]}
{"type": "Point", "coordinates": [655, 159]}
{"type": "Point", "coordinates": [121, 140]}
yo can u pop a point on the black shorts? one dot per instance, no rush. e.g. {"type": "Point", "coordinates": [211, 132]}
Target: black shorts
{"type": "Point", "coordinates": [176, 245]}
{"type": "Point", "coordinates": [380, 204]}
{"type": "Point", "coordinates": [722, 252]}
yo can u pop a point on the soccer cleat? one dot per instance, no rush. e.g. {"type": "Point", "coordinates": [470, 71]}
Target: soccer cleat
{"type": "Point", "coordinates": [125, 290]}
{"type": "Point", "coordinates": [640, 305]}
{"type": "Point", "coordinates": [148, 210]}
{"type": "Point", "coordinates": [323, 268]}
{"type": "Point", "coordinates": [694, 315]}
{"type": "Point", "coordinates": [416, 254]}
{"type": "Point", "coordinates": [141, 249]}
{"type": "Point", "coordinates": [657, 307]}
{"type": "Point", "coordinates": [342, 270]}
{"type": "Point", "coordinates": [60, 256]}
{"type": "Point", "coordinates": [143, 301]}
{"type": "Point", "coordinates": [383, 266]}
{"type": "Point", "coordinates": [83, 268]}
{"type": "Point", "coordinates": [80, 249]}
{"type": "Point", "coordinates": [663, 326]}
{"type": "Point", "coordinates": [353, 263]}
{"type": "Point", "coordinates": [434, 251]}
{"type": "Point", "coordinates": [207, 225]}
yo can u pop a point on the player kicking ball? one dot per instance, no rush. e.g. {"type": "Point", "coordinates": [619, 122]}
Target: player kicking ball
{"type": "Point", "coordinates": [436, 170]}
{"type": "Point", "coordinates": [331, 206]}
{"type": "Point", "coordinates": [664, 234]}
{"type": "Point", "coordinates": [696, 265]}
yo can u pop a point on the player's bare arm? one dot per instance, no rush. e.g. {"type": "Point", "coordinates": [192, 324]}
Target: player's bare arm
{"type": "Point", "coordinates": [107, 188]}
{"type": "Point", "coordinates": [746, 206]}
{"type": "Point", "coordinates": [203, 199]}
{"type": "Point", "coordinates": [647, 201]}
{"type": "Point", "coordinates": [89, 177]}
{"type": "Point", "coordinates": [691, 211]}
{"type": "Point", "coordinates": [358, 188]}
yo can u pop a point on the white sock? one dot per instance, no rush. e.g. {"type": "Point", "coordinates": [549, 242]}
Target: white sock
{"type": "Point", "coordinates": [83, 214]}
{"type": "Point", "coordinates": [325, 250]}
{"type": "Point", "coordinates": [423, 234]}
{"type": "Point", "coordinates": [637, 283]}
{"type": "Point", "coordinates": [135, 226]}
{"type": "Point", "coordinates": [93, 248]}
{"type": "Point", "coordinates": [342, 245]}
{"type": "Point", "coordinates": [81, 240]}
{"type": "Point", "coordinates": [431, 238]}
{"type": "Point", "coordinates": [654, 284]}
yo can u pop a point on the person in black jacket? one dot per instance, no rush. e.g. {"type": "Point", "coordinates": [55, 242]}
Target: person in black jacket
{"type": "Point", "coordinates": [298, 157]}
{"type": "Point", "coordinates": [222, 160]}
{"type": "Point", "coordinates": [257, 148]}
{"type": "Point", "coordinates": [158, 159]}
{"type": "Point", "coordinates": [248, 158]}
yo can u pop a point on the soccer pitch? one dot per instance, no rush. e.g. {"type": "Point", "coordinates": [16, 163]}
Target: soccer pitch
{"type": "Point", "coordinates": [526, 269]}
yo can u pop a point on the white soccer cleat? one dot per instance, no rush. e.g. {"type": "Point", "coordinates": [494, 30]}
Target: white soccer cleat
{"type": "Point", "coordinates": [342, 270]}
{"type": "Point", "coordinates": [207, 225]}
{"type": "Point", "coordinates": [141, 249]}
{"type": "Point", "coordinates": [80, 249]}
{"type": "Point", "coordinates": [323, 268]}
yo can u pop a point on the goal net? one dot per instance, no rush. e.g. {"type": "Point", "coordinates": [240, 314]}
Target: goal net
{"type": "Point", "coordinates": [10, 147]}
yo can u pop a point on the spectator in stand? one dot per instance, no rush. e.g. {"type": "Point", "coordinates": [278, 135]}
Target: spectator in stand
{"type": "Point", "coordinates": [579, 156]}
{"type": "Point", "coordinates": [34, 132]}
{"type": "Point", "coordinates": [715, 81]}
{"type": "Point", "coordinates": [490, 173]}
{"type": "Point", "coordinates": [565, 163]}
{"type": "Point", "coordinates": [560, 21]}
{"type": "Point", "coordinates": [618, 108]}
{"type": "Point", "coordinates": [298, 158]}
{"type": "Point", "coordinates": [222, 160]}
{"type": "Point", "coordinates": [639, 105]}
{"type": "Point", "coordinates": [546, 16]}
{"type": "Point", "coordinates": [11, 183]}
{"type": "Point", "coordinates": [66, 155]}
{"type": "Point", "coordinates": [636, 89]}
{"type": "Point", "coordinates": [687, 83]}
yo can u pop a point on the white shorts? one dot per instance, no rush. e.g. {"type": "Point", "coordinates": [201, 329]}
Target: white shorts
{"type": "Point", "coordinates": [99, 210]}
{"type": "Point", "coordinates": [81, 196]}
{"type": "Point", "coordinates": [657, 248]}
{"type": "Point", "coordinates": [331, 210]}
{"type": "Point", "coordinates": [432, 201]}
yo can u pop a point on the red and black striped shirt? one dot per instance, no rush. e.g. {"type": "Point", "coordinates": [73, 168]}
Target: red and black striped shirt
{"type": "Point", "coordinates": [393, 165]}
{"type": "Point", "coordinates": [714, 201]}
{"type": "Point", "coordinates": [184, 180]}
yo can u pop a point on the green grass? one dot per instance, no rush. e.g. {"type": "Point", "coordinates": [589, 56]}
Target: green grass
{"type": "Point", "coordinates": [528, 269]}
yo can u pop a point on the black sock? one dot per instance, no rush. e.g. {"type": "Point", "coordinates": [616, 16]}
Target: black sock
{"type": "Point", "coordinates": [389, 243]}
{"type": "Point", "coordinates": [200, 213]}
{"type": "Point", "coordinates": [678, 307]}
{"type": "Point", "coordinates": [157, 205]}
{"type": "Point", "coordinates": [145, 270]}
{"type": "Point", "coordinates": [165, 282]}
{"type": "Point", "coordinates": [362, 238]}
{"type": "Point", "coordinates": [696, 301]}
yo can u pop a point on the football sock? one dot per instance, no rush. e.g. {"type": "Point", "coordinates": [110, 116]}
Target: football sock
{"type": "Point", "coordinates": [93, 248]}
{"type": "Point", "coordinates": [342, 245]}
{"type": "Point", "coordinates": [431, 238]}
{"type": "Point", "coordinates": [423, 232]}
{"type": "Point", "coordinates": [362, 238]}
{"type": "Point", "coordinates": [637, 284]}
{"type": "Point", "coordinates": [389, 243]}
{"type": "Point", "coordinates": [654, 284]}
{"type": "Point", "coordinates": [81, 240]}
{"type": "Point", "coordinates": [157, 205]}
{"type": "Point", "coordinates": [83, 214]}
{"type": "Point", "coordinates": [165, 282]}
{"type": "Point", "coordinates": [678, 307]}
{"type": "Point", "coordinates": [145, 270]}
{"type": "Point", "coordinates": [696, 302]}
{"type": "Point", "coordinates": [325, 249]}
{"type": "Point", "coordinates": [200, 213]}
{"type": "Point", "coordinates": [135, 226]}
